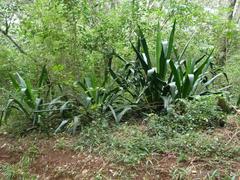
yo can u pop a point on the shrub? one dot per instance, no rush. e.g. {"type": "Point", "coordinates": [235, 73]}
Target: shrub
{"type": "Point", "coordinates": [186, 116]}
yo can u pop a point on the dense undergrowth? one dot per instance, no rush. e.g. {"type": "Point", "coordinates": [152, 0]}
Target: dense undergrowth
{"type": "Point", "coordinates": [138, 86]}
{"type": "Point", "coordinates": [76, 62]}
{"type": "Point", "coordinates": [127, 80]}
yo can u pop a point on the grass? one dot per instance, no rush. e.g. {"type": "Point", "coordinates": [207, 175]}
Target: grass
{"type": "Point", "coordinates": [130, 144]}
{"type": "Point", "coordinates": [125, 143]}
{"type": "Point", "coordinates": [20, 170]}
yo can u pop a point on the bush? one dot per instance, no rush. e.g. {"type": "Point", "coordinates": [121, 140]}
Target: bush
{"type": "Point", "coordinates": [185, 116]}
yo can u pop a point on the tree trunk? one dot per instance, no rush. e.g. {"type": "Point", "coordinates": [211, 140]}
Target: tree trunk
{"type": "Point", "coordinates": [225, 41]}
{"type": "Point", "coordinates": [236, 13]}
{"type": "Point", "coordinates": [232, 4]}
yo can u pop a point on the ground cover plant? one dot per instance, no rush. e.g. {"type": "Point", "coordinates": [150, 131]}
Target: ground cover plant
{"type": "Point", "coordinates": [119, 89]}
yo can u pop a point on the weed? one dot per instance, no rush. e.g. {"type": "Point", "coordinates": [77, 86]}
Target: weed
{"type": "Point", "coordinates": [187, 116]}
{"type": "Point", "coordinates": [63, 143]}
{"type": "Point", "coordinates": [182, 158]}
{"type": "Point", "coordinates": [125, 143]}
{"type": "Point", "coordinates": [181, 173]}
{"type": "Point", "coordinates": [21, 169]}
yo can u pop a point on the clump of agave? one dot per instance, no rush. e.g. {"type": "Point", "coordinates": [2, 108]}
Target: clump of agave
{"type": "Point", "coordinates": [173, 77]}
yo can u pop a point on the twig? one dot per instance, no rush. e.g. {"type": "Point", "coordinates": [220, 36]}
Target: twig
{"type": "Point", "coordinates": [233, 136]}
{"type": "Point", "coordinates": [13, 41]}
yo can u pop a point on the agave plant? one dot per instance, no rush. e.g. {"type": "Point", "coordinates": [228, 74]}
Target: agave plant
{"type": "Point", "coordinates": [90, 103]}
{"type": "Point", "coordinates": [173, 77]}
{"type": "Point", "coordinates": [26, 99]}
{"type": "Point", "coordinates": [37, 104]}
{"type": "Point", "coordinates": [95, 96]}
{"type": "Point", "coordinates": [103, 98]}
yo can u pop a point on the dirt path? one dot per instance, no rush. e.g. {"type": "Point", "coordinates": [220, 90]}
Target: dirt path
{"type": "Point", "coordinates": [53, 163]}
{"type": "Point", "coordinates": [45, 158]}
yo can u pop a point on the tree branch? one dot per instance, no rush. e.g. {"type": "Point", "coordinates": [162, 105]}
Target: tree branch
{"type": "Point", "coordinates": [13, 41]}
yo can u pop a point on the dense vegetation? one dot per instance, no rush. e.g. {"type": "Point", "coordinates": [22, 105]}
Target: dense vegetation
{"type": "Point", "coordinates": [97, 68]}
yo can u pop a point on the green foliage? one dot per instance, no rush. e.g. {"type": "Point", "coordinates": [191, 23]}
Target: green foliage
{"type": "Point", "coordinates": [20, 169]}
{"type": "Point", "coordinates": [25, 99]}
{"type": "Point", "coordinates": [181, 134]}
{"type": "Point", "coordinates": [104, 98]}
{"type": "Point", "coordinates": [198, 144]}
{"type": "Point", "coordinates": [185, 116]}
{"type": "Point", "coordinates": [180, 173]}
{"type": "Point", "coordinates": [90, 81]}
{"type": "Point", "coordinates": [238, 102]}
{"type": "Point", "coordinates": [233, 74]}
{"type": "Point", "coordinates": [79, 40]}
{"type": "Point", "coordinates": [172, 78]}
{"type": "Point", "coordinates": [33, 103]}
{"type": "Point", "coordinates": [45, 110]}
{"type": "Point", "coordinates": [125, 143]}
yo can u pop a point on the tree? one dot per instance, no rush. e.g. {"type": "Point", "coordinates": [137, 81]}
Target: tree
{"type": "Point", "coordinates": [236, 13]}
{"type": "Point", "coordinates": [9, 15]}
{"type": "Point", "coordinates": [225, 41]}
